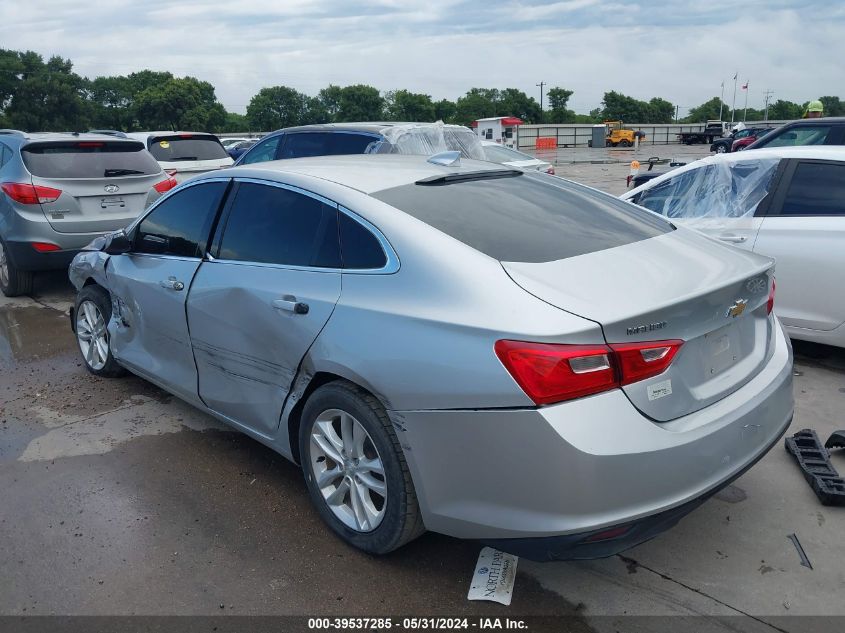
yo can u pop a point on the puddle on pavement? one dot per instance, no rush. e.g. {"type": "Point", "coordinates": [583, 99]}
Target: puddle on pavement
{"type": "Point", "coordinates": [33, 333]}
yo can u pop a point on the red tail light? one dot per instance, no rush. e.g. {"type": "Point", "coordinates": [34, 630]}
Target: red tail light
{"type": "Point", "coordinates": [165, 185]}
{"type": "Point", "coordinates": [90, 144]}
{"type": "Point", "coordinates": [550, 373]}
{"type": "Point", "coordinates": [45, 247]}
{"type": "Point", "coordinates": [186, 136]}
{"type": "Point", "coordinates": [30, 194]}
{"type": "Point", "coordinates": [770, 304]}
{"type": "Point", "coordinates": [638, 361]}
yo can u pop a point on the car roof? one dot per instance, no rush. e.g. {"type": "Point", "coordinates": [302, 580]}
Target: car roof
{"type": "Point", "coordinates": [145, 135]}
{"type": "Point", "coordinates": [818, 121]}
{"type": "Point", "coordinates": [27, 137]}
{"type": "Point", "coordinates": [369, 127]}
{"type": "Point", "coordinates": [821, 152]}
{"type": "Point", "coordinates": [367, 173]}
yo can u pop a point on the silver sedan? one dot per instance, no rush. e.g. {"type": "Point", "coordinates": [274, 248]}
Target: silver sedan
{"type": "Point", "coordinates": [474, 350]}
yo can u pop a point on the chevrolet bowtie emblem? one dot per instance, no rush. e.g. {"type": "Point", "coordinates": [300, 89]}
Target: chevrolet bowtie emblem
{"type": "Point", "coordinates": [736, 309]}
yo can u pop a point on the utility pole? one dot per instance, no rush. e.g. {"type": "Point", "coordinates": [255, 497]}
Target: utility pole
{"type": "Point", "coordinates": [745, 114]}
{"type": "Point", "coordinates": [722, 100]}
{"type": "Point", "coordinates": [768, 94]}
{"type": "Point", "coordinates": [540, 85]}
{"type": "Point", "coordinates": [676, 113]}
{"type": "Point", "coordinates": [733, 105]}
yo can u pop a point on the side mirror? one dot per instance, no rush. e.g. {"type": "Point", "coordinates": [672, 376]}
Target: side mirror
{"type": "Point", "coordinates": [117, 243]}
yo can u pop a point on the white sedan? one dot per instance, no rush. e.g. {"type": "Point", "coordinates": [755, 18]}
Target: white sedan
{"type": "Point", "coordinates": [496, 153]}
{"type": "Point", "coordinates": [784, 202]}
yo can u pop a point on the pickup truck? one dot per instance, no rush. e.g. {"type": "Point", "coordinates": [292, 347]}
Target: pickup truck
{"type": "Point", "coordinates": [712, 130]}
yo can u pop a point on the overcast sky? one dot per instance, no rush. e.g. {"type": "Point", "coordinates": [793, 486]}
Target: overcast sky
{"type": "Point", "coordinates": [680, 50]}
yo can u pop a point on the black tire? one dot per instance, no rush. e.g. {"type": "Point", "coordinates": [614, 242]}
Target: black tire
{"type": "Point", "coordinates": [13, 282]}
{"type": "Point", "coordinates": [625, 143]}
{"type": "Point", "coordinates": [101, 299]}
{"type": "Point", "coordinates": [402, 521]}
{"type": "Point", "coordinates": [721, 149]}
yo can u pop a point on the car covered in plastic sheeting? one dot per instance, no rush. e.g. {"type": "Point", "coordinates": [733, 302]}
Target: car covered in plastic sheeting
{"type": "Point", "coordinates": [337, 139]}
{"type": "Point", "coordinates": [787, 203]}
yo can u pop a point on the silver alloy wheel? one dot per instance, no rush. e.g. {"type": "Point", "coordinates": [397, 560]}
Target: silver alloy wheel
{"type": "Point", "coordinates": [348, 470]}
{"type": "Point", "coordinates": [4, 267]}
{"type": "Point", "coordinates": [92, 335]}
{"type": "Point", "coordinates": [721, 149]}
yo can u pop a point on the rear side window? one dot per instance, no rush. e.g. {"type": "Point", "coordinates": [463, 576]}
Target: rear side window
{"type": "Point", "coordinates": [273, 225]}
{"type": "Point", "coordinates": [359, 247]}
{"type": "Point", "coordinates": [186, 148]}
{"type": "Point", "coordinates": [526, 218]}
{"type": "Point", "coordinates": [180, 224]}
{"type": "Point", "coordinates": [816, 189]}
{"type": "Point", "coordinates": [804, 135]}
{"type": "Point", "coordinates": [306, 144]}
{"type": "Point", "coordinates": [89, 159]}
{"type": "Point", "coordinates": [5, 154]}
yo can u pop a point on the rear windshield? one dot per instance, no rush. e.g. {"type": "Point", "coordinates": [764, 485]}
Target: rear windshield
{"type": "Point", "coordinates": [526, 218]}
{"type": "Point", "coordinates": [89, 159]}
{"type": "Point", "coordinates": [185, 148]}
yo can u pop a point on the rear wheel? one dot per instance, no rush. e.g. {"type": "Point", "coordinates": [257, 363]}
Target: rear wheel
{"type": "Point", "coordinates": [721, 149]}
{"type": "Point", "coordinates": [625, 143]}
{"type": "Point", "coordinates": [355, 469]}
{"type": "Point", "coordinates": [91, 319]}
{"type": "Point", "coordinates": [13, 282]}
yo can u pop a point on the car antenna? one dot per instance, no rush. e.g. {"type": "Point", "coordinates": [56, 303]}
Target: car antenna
{"type": "Point", "coordinates": [446, 158]}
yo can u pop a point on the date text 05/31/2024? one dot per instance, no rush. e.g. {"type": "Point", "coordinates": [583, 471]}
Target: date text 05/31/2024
{"type": "Point", "coordinates": [412, 624]}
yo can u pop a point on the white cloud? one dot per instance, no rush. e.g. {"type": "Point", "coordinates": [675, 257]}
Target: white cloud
{"type": "Point", "coordinates": [678, 50]}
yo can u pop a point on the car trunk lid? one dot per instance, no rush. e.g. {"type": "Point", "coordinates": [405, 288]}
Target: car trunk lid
{"type": "Point", "coordinates": [104, 185]}
{"type": "Point", "coordinates": [669, 288]}
{"type": "Point", "coordinates": [186, 154]}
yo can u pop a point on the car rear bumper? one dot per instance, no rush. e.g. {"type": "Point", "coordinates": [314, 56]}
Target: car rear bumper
{"type": "Point", "coordinates": [559, 474]}
{"type": "Point", "coordinates": [25, 257]}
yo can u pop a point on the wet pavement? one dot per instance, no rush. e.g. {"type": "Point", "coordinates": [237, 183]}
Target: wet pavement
{"type": "Point", "coordinates": [117, 498]}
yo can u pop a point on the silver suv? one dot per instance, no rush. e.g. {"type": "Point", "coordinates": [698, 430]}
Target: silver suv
{"type": "Point", "coordinates": [62, 190]}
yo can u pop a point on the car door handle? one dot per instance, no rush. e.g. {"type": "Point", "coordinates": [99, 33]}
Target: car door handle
{"type": "Point", "coordinates": [290, 304]}
{"type": "Point", "coordinates": [172, 283]}
{"type": "Point", "coordinates": [736, 239]}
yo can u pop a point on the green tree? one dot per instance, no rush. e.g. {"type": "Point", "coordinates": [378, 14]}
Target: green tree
{"type": "Point", "coordinates": [329, 99]}
{"type": "Point", "coordinates": [708, 111]}
{"type": "Point", "coordinates": [659, 111]}
{"type": "Point", "coordinates": [477, 103]}
{"type": "Point", "coordinates": [782, 110]}
{"type": "Point", "coordinates": [235, 123]}
{"type": "Point", "coordinates": [619, 107]}
{"type": "Point", "coordinates": [444, 110]}
{"type": "Point", "coordinates": [402, 105]}
{"type": "Point", "coordinates": [47, 96]}
{"type": "Point", "coordinates": [277, 107]}
{"type": "Point", "coordinates": [558, 100]}
{"type": "Point", "coordinates": [833, 106]}
{"type": "Point", "coordinates": [180, 103]}
{"type": "Point", "coordinates": [514, 102]}
{"type": "Point", "coordinates": [360, 103]}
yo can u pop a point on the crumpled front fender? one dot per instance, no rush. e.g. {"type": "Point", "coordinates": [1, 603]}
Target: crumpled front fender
{"type": "Point", "coordinates": [88, 265]}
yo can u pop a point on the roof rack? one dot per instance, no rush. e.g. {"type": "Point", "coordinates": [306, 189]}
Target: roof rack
{"type": "Point", "coordinates": [14, 133]}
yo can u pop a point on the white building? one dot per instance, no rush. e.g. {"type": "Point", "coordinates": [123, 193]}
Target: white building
{"type": "Point", "coordinates": [501, 129]}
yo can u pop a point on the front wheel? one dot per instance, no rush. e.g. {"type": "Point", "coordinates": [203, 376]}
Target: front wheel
{"type": "Point", "coordinates": [355, 469]}
{"type": "Point", "coordinates": [721, 149]}
{"type": "Point", "coordinates": [91, 318]}
{"type": "Point", "coordinates": [626, 143]}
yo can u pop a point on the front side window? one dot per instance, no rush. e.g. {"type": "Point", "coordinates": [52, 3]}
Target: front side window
{"type": "Point", "coordinates": [804, 135]}
{"type": "Point", "coordinates": [304, 144]}
{"type": "Point", "coordinates": [273, 225]}
{"type": "Point", "coordinates": [180, 224]}
{"type": "Point", "coordinates": [816, 189]}
{"type": "Point", "coordinates": [262, 151]}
